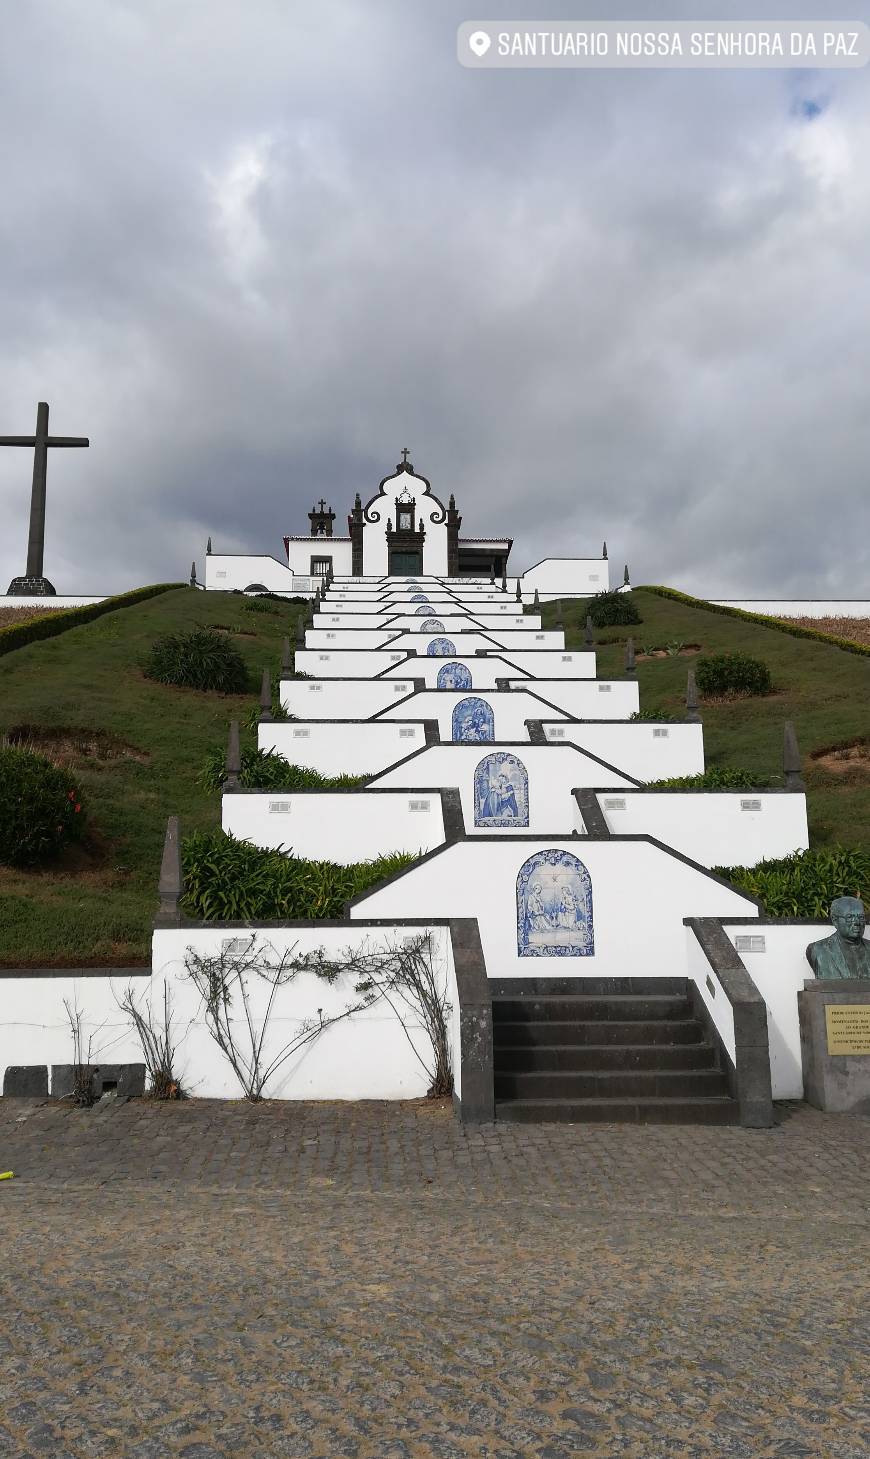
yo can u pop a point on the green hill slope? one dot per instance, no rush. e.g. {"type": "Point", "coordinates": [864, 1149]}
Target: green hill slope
{"type": "Point", "coordinates": [823, 689]}
{"type": "Point", "coordinates": [136, 748]}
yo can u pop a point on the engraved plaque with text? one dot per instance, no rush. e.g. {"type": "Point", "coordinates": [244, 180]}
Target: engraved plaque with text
{"type": "Point", "coordinates": [848, 1028]}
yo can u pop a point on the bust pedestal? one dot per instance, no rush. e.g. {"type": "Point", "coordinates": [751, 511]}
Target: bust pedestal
{"type": "Point", "coordinates": [834, 1016]}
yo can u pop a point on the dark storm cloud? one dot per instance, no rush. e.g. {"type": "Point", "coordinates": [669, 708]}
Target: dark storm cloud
{"type": "Point", "coordinates": [252, 250]}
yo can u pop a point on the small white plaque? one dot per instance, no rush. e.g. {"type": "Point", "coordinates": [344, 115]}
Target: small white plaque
{"type": "Point", "coordinates": [323, 658]}
{"type": "Point", "coordinates": [315, 688]}
{"type": "Point", "coordinates": [236, 945]}
{"type": "Point", "coordinates": [604, 688]}
{"type": "Point", "coordinates": [754, 942]}
{"type": "Point", "coordinates": [567, 658]}
{"type": "Point", "coordinates": [302, 734]}
{"type": "Point", "coordinates": [330, 635]}
{"type": "Point", "coordinates": [614, 805]}
{"type": "Point", "coordinates": [557, 732]}
{"type": "Point", "coordinates": [407, 734]}
{"type": "Point", "coordinates": [399, 688]}
{"type": "Point", "coordinates": [418, 805]}
{"type": "Point", "coordinates": [539, 636]}
{"type": "Point", "coordinates": [280, 807]}
{"type": "Point", "coordinates": [220, 574]}
{"type": "Point", "coordinates": [660, 733]}
{"type": "Point", "coordinates": [750, 805]}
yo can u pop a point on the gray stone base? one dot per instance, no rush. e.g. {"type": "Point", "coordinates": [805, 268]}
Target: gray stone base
{"type": "Point", "coordinates": [835, 1082]}
{"type": "Point", "coordinates": [26, 1081]}
{"type": "Point", "coordinates": [30, 588]}
{"type": "Point", "coordinates": [128, 1079]}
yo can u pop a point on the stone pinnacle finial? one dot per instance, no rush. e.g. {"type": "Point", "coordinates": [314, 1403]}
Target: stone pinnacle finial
{"type": "Point", "coordinates": [317, 596]}
{"type": "Point", "coordinates": [693, 713]}
{"type": "Point", "coordinates": [300, 633]}
{"type": "Point", "coordinates": [630, 664]}
{"type": "Point", "coordinates": [590, 636]}
{"type": "Point", "coordinates": [208, 548]}
{"type": "Point", "coordinates": [193, 574]}
{"type": "Point", "coordinates": [170, 887]}
{"type": "Point", "coordinates": [536, 601]}
{"type": "Point", "coordinates": [265, 698]}
{"type": "Point", "coordinates": [625, 578]}
{"type": "Point", "coordinates": [791, 758]}
{"type": "Point", "coordinates": [604, 552]}
{"type": "Point", "coordinates": [286, 657]}
{"type": "Point", "coordinates": [504, 582]}
{"type": "Point", "coordinates": [234, 758]}
{"type": "Point", "coordinates": [519, 592]}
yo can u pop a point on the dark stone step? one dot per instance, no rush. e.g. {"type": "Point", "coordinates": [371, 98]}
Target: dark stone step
{"type": "Point", "coordinates": [715, 1111]}
{"type": "Point", "coordinates": [611, 1084]}
{"type": "Point", "coordinates": [579, 1057]}
{"type": "Point", "coordinates": [540, 987]}
{"type": "Point", "coordinates": [550, 1032]}
{"type": "Point", "coordinates": [639, 1006]}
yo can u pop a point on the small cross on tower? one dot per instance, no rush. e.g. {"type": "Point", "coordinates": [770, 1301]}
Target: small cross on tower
{"type": "Point", "coordinates": [405, 454]}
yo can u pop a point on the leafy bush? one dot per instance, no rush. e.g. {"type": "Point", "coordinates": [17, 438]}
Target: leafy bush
{"type": "Point", "coordinates": [40, 809]}
{"type": "Point", "coordinates": [264, 603]}
{"type": "Point", "coordinates": [732, 674]}
{"type": "Point", "coordinates": [607, 609]}
{"type": "Point", "coordinates": [228, 881]}
{"type": "Point", "coordinates": [653, 716]}
{"type": "Point", "coordinates": [779, 625]}
{"type": "Point", "coordinates": [266, 770]}
{"type": "Point", "coordinates": [717, 777]}
{"type": "Point", "coordinates": [49, 625]}
{"type": "Point", "coordinates": [805, 883]}
{"type": "Point", "coordinates": [199, 659]}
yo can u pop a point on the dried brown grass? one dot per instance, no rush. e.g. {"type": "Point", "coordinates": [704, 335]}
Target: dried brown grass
{"type": "Point", "coordinates": [10, 617]}
{"type": "Point", "coordinates": [858, 629]}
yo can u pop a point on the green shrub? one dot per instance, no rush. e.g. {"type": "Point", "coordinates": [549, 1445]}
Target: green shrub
{"type": "Point", "coordinates": [654, 716]}
{"type": "Point", "coordinates": [40, 809]}
{"type": "Point", "coordinates": [199, 659]}
{"type": "Point", "coordinates": [266, 770]}
{"type": "Point", "coordinates": [49, 625]}
{"type": "Point", "coordinates": [229, 881]}
{"type": "Point", "coordinates": [806, 883]}
{"type": "Point", "coordinates": [732, 674]}
{"type": "Point", "coordinates": [717, 777]}
{"type": "Point", "coordinates": [607, 609]}
{"type": "Point", "coordinates": [264, 603]}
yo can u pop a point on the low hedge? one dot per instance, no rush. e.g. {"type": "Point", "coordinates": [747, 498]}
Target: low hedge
{"type": "Point", "coordinates": [49, 625]}
{"type": "Point", "coordinates": [782, 625]}
{"type": "Point", "coordinates": [226, 880]}
{"type": "Point", "coordinates": [717, 777]}
{"type": "Point", "coordinates": [805, 883]}
{"type": "Point", "coordinates": [267, 770]}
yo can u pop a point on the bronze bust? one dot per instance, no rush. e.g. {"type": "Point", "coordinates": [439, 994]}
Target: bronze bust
{"type": "Point", "coordinates": [845, 954]}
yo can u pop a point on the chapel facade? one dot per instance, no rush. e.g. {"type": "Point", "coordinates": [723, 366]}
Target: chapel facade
{"type": "Point", "coordinates": [403, 530]}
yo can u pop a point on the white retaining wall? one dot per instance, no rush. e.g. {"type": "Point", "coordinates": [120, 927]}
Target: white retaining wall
{"type": "Point", "coordinates": [548, 663]}
{"type": "Point", "coordinates": [331, 663]}
{"type": "Point", "coordinates": [349, 638]}
{"type": "Point", "coordinates": [800, 607]}
{"type": "Point", "coordinates": [510, 710]}
{"type": "Point", "coordinates": [566, 577]}
{"type": "Point", "coordinates": [343, 747]}
{"type": "Point", "coordinates": [484, 670]}
{"type": "Point", "coordinates": [225, 572]}
{"type": "Point", "coordinates": [340, 826]}
{"type": "Point", "coordinates": [640, 896]}
{"type": "Point", "coordinates": [636, 748]}
{"type": "Point", "coordinates": [60, 600]}
{"type": "Point", "coordinates": [717, 828]}
{"type": "Point", "coordinates": [553, 771]}
{"type": "Point", "coordinates": [589, 698]}
{"type": "Point", "coordinates": [341, 698]}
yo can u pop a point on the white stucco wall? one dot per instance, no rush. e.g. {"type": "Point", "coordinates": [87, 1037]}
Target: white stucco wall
{"type": "Point", "coordinates": [342, 698]}
{"type": "Point", "coordinates": [484, 670]}
{"type": "Point", "coordinates": [714, 998]}
{"type": "Point", "coordinates": [636, 748]}
{"type": "Point", "coordinates": [800, 607]}
{"type": "Point", "coordinates": [640, 896]}
{"type": "Point", "coordinates": [225, 573]}
{"type": "Point", "coordinates": [299, 554]}
{"type": "Point", "coordinates": [547, 663]}
{"type": "Point", "coordinates": [60, 600]}
{"type": "Point", "coordinates": [330, 663]}
{"type": "Point", "coordinates": [340, 826]}
{"type": "Point", "coordinates": [553, 771]}
{"type": "Point", "coordinates": [590, 699]}
{"type": "Point", "coordinates": [365, 1057]}
{"type": "Point", "coordinates": [375, 556]}
{"type": "Point", "coordinates": [342, 747]}
{"type": "Point", "coordinates": [510, 710]}
{"type": "Point", "coordinates": [717, 828]}
{"type": "Point", "coordinates": [566, 577]}
{"type": "Point", "coordinates": [350, 638]}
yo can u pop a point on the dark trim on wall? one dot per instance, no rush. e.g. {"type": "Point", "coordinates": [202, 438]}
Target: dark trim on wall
{"type": "Point", "coordinates": [590, 810]}
{"type": "Point", "coordinates": [752, 1087]}
{"type": "Point", "coordinates": [476, 1103]}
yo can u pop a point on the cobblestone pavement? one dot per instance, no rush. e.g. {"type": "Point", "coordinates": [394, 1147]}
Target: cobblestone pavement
{"type": "Point", "coordinates": [208, 1280]}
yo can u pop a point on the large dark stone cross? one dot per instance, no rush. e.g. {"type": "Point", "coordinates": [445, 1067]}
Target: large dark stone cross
{"type": "Point", "coordinates": [34, 584]}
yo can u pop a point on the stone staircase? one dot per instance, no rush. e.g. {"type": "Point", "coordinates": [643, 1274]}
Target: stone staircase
{"type": "Point", "coordinates": [604, 1049]}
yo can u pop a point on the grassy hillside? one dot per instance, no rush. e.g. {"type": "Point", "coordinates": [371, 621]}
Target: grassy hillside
{"type": "Point", "coordinates": [824, 690]}
{"type": "Point", "coordinates": [135, 747]}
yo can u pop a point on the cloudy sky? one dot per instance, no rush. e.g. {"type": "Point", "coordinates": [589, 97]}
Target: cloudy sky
{"type": "Point", "coordinates": [254, 247]}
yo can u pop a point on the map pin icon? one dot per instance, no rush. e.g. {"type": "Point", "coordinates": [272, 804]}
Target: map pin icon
{"type": "Point", "coordinates": [479, 42]}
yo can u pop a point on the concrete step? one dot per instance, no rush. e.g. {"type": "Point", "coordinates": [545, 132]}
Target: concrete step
{"type": "Point", "coordinates": [636, 1006]}
{"type": "Point", "coordinates": [609, 1084]}
{"type": "Point", "coordinates": [559, 1032]}
{"type": "Point", "coordinates": [540, 987]}
{"type": "Point", "coordinates": [579, 1057]}
{"type": "Point", "coordinates": [659, 1111]}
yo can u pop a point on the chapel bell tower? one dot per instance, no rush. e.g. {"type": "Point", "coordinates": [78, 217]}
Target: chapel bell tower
{"type": "Point", "coordinates": [321, 518]}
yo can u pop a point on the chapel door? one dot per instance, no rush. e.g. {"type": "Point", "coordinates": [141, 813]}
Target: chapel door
{"type": "Point", "coordinates": [405, 564]}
